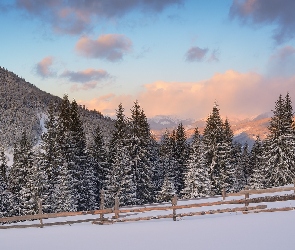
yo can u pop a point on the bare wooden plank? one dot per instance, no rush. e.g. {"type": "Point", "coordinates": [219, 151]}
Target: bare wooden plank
{"type": "Point", "coordinates": [268, 190]}
{"type": "Point", "coordinates": [207, 204]}
{"type": "Point", "coordinates": [54, 215]}
{"type": "Point", "coordinates": [227, 210]}
{"type": "Point", "coordinates": [58, 223]}
{"type": "Point", "coordinates": [271, 210]}
{"type": "Point", "coordinates": [20, 226]}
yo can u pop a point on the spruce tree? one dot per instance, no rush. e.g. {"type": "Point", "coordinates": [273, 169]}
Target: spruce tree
{"type": "Point", "coordinates": [7, 207]}
{"type": "Point", "coordinates": [167, 190]}
{"type": "Point", "coordinates": [119, 178]}
{"type": "Point", "coordinates": [166, 162]}
{"type": "Point", "coordinates": [24, 178]}
{"type": "Point", "coordinates": [6, 200]}
{"type": "Point", "coordinates": [247, 168]}
{"type": "Point", "coordinates": [218, 152]}
{"type": "Point", "coordinates": [180, 155]}
{"type": "Point", "coordinates": [82, 172]}
{"type": "Point", "coordinates": [141, 154]}
{"type": "Point", "coordinates": [47, 158]}
{"type": "Point", "coordinates": [3, 166]}
{"type": "Point", "coordinates": [99, 161]}
{"type": "Point", "coordinates": [66, 190]}
{"type": "Point", "coordinates": [197, 182]}
{"type": "Point", "coordinates": [258, 176]}
{"type": "Point", "coordinates": [278, 156]}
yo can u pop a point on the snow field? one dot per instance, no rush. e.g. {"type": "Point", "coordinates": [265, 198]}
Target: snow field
{"type": "Point", "coordinates": [226, 231]}
{"type": "Point", "coordinates": [230, 231]}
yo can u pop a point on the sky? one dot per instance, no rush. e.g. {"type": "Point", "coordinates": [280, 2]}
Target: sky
{"type": "Point", "coordinates": [176, 57]}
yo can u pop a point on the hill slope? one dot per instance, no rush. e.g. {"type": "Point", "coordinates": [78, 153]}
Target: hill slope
{"type": "Point", "coordinates": [23, 107]}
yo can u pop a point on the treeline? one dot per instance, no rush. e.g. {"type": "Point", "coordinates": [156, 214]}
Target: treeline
{"type": "Point", "coordinates": [68, 174]}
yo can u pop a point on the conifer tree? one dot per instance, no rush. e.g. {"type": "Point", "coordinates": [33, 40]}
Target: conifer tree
{"type": "Point", "coordinates": [82, 172]}
{"type": "Point", "coordinates": [278, 156]}
{"type": "Point", "coordinates": [47, 159]}
{"type": "Point", "coordinates": [197, 182]}
{"type": "Point", "coordinates": [3, 166]}
{"type": "Point", "coordinates": [141, 154]}
{"type": "Point", "coordinates": [245, 164]}
{"type": "Point", "coordinates": [157, 169]}
{"type": "Point", "coordinates": [218, 152]}
{"type": "Point", "coordinates": [166, 162]}
{"type": "Point", "coordinates": [6, 200]}
{"type": "Point", "coordinates": [67, 184]}
{"type": "Point", "coordinates": [63, 195]}
{"type": "Point", "coordinates": [24, 179]}
{"type": "Point", "coordinates": [258, 176]}
{"type": "Point", "coordinates": [120, 179]}
{"type": "Point", "coordinates": [99, 161]}
{"type": "Point", "coordinates": [180, 155]}
{"type": "Point", "coordinates": [167, 190]}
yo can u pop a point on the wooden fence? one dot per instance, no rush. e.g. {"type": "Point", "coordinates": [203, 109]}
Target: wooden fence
{"type": "Point", "coordinates": [115, 212]}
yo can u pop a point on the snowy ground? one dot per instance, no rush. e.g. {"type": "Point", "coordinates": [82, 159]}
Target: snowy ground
{"type": "Point", "coordinates": [227, 231]}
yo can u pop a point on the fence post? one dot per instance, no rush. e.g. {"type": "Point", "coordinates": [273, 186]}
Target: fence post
{"type": "Point", "coordinates": [116, 208]}
{"type": "Point", "coordinates": [101, 207]}
{"type": "Point", "coordinates": [223, 194]}
{"type": "Point", "coordinates": [174, 203]}
{"type": "Point", "coordinates": [40, 211]}
{"type": "Point", "coordinates": [246, 196]}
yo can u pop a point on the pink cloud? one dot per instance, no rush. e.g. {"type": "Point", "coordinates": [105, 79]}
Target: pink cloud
{"type": "Point", "coordinates": [239, 95]}
{"type": "Point", "coordinates": [43, 68]}
{"type": "Point", "coordinates": [111, 47]}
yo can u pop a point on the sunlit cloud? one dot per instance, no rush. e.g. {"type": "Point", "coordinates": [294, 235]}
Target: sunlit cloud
{"type": "Point", "coordinates": [111, 47]}
{"type": "Point", "coordinates": [261, 12]}
{"type": "Point", "coordinates": [239, 95]}
{"type": "Point", "coordinates": [44, 67]}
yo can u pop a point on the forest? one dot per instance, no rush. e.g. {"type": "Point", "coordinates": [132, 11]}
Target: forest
{"type": "Point", "coordinates": [68, 172]}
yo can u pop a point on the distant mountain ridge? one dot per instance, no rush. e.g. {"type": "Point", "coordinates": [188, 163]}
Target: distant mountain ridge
{"type": "Point", "coordinates": [244, 130]}
{"type": "Point", "coordinates": [23, 107]}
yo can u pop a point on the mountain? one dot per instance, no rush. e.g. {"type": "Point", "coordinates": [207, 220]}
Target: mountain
{"type": "Point", "coordinates": [23, 107]}
{"type": "Point", "coordinates": [244, 130]}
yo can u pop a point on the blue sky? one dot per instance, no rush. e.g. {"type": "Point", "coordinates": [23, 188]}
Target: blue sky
{"type": "Point", "coordinates": [177, 57]}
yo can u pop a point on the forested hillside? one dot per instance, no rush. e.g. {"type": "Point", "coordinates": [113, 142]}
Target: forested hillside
{"type": "Point", "coordinates": [23, 107]}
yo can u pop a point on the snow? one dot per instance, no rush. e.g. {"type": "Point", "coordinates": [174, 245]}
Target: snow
{"type": "Point", "coordinates": [240, 131]}
{"type": "Point", "coordinates": [226, 231]}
